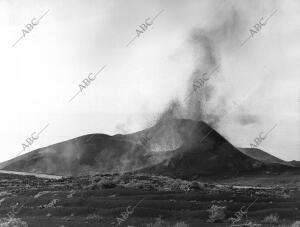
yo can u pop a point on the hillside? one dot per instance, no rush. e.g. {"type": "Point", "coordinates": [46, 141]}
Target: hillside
{"type": "Point", "coordinates": [261, 155]}
{"type": "Point", "coordinates": [174, 147]}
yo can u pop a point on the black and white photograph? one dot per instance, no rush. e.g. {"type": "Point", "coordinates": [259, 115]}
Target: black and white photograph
{"type": "Point", "coordinates": [150, 113]}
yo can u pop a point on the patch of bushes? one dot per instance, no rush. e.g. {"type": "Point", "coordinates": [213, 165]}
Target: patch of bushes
{"type": "Point", "coordinates": [196, 186]}
{"type": "Point", "coordinates": [159, 222]}
{"type": "Point", "coordinates": [52, 204]}
{"type": "Point", "coordinates": [271, 219]}
{"type": "Point", "coordinates": [93, 218]}
{"type": "Point", "coordinates": [216, 213]}
{"type": "Point", "coordinates": [101, 184]}
{"type": "Point", "coordinates": [12, 222]}
{"type": "Point", "coordinates": [248, 224]}
{"type": "Point", "coordinates": [181, 224]}
{"type": "Point", "coordinates": [296, 224]}
{"type": "Point", "coordinates": [105, 183]}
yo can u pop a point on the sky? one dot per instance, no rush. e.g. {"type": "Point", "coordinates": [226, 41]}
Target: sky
{"type": "Point", "coordinates": [255, 89]}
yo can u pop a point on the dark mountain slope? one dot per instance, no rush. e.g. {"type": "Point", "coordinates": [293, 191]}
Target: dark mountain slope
{"type": "Point", "coordinates": [203, 153]}
{"type": "Point", "coordinates": [82, 155]}
{"type": "Point", "coordinates": [261, 156]}
{"type": "Point", "coordinates": [174, 147]}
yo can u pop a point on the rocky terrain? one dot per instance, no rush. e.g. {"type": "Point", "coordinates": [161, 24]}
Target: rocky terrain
{"type": "Point", "coordinates": [102, 200]}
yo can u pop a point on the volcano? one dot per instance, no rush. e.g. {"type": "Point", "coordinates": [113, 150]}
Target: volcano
{"type": "Point", "coordinates": [174, 147]}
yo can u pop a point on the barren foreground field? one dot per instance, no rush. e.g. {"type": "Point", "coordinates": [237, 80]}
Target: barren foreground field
{"type": "Point", "coordinates": [141, 200]}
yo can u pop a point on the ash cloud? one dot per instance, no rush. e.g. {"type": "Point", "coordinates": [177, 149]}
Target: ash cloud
{"type": "Point", "coordinates": [209, 45]}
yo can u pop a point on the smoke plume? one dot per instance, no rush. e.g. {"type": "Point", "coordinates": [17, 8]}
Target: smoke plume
{"type": "Point", "coordinates": [209, 102]}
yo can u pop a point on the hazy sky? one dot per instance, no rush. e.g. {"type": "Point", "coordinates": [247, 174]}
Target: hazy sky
{"type": "Point", "coordinates": [42, 72]}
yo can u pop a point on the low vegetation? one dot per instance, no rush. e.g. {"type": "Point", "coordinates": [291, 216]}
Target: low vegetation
{"type": "Point", "coordinates": [98, 200]}
{"type": "Point", "coordinates": [216, 213]}
{"type": "Point", "coordinates": [159, 222]}
{"type": "Point", "coordinates": [271, 219]}
{"type": "Point", "coordinates": [93, 218]}
{"type": "Point", "coordinates": [12, 222]}
{"type": "Point", "coordinates": [296, 224]}
{"type": "Point", "coordinates": [181, 224]}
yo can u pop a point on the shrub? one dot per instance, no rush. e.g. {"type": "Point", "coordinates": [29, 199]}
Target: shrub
{"type": "Point", "coordinates": [12, 222]}
{"type": "Point", "coordinates": [195, 185]}
{"type": "Point", "coordinates": [250, 224]}
{"type": "Point", "coordinates": [296, 224]}
{"type": "Point", "coordinates": [159, 223]}
{"type": "Point", "coordinates": [184, 187]}
{"type": "Point", "coordinates": [96, 178]}
{"type": "Point", "coordinates": [52, 204]}
{"type": "Point", "coordinates": [93, 217]}
{"type": "Point", "coordinates": [271, 219]}
{"type": "Point", "coordinates": [181, 224]}
{"type": "Point", "coordinates": [104, 184]}
{"type": "Point", "coordinates": [145, 186]}
{"type": "Point", "coordinates": [216, 213]}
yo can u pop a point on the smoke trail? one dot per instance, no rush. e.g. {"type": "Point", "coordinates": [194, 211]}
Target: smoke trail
{"type": "Point", "coordinates": [209, 45]}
